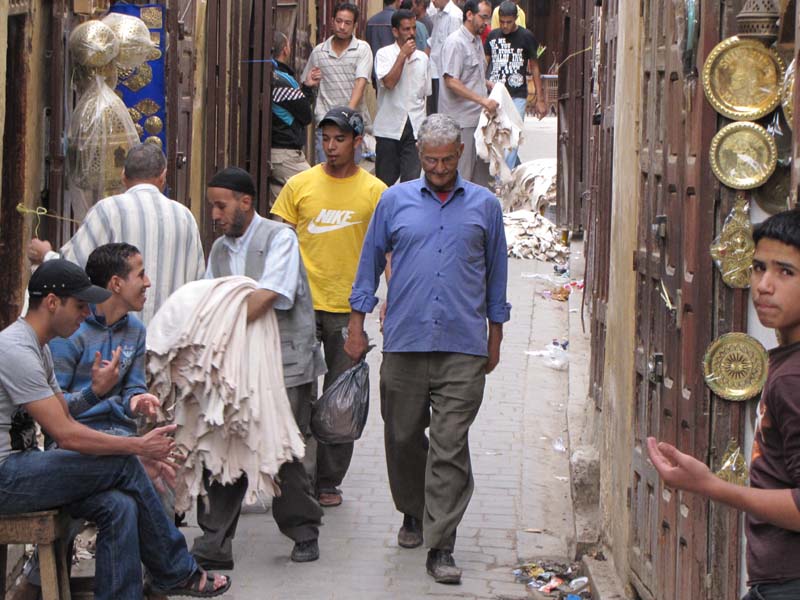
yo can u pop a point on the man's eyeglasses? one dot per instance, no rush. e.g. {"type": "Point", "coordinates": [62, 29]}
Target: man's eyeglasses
{"type": "Point", "coordinates": [448, 161]}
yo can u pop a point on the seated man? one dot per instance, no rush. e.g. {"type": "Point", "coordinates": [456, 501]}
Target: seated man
{"type": "Point", "coordinates": [101, 366]}
{"type": "Point", "coordinates": [91, 474]}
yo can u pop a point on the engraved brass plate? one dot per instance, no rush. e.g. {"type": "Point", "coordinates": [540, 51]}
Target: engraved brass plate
{"type": "Point", "coordinates": [787, 97]}
{"type": "Point", "coordinates": [743, 155]}
{"type": "Point", "coordinates": [140, 79]}
{"type": "Point", "coordinates": [735, 366]}
{"type": "Point", "coordinates": [153, 139]}
{"type": "Point", "coordinates": [151, 15]}
{"type": "Point", "coordinates": [153, 125]}
{"type": "Point", "coordinates": [733, 250]}
{"type": "Point", "coordinates": [742, 79]}
{"type": "Point", "coordinates": [147, 107]}
{"type": "Point", "coordinates": [774, 196]}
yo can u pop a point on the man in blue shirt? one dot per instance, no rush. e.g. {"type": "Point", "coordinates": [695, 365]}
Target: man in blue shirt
{"type": "Point", "coordinates": [100, 367]}
{"type": "Point", "coordinates": [449, 271]}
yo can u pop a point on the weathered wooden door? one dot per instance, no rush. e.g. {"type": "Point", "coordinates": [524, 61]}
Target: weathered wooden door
{"type": "Point", "coordinates": [598, 230]}
{"type": "Point", "coordinates": [682, 546]}
{"type": "Point", "coordinates": [238, 76]}
{"type": "Point", "coordinates": [181, 59]}
{"type": "Point", "coordinates": [573, 108]}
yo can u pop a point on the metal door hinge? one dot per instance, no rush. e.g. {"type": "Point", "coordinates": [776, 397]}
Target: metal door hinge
{"type": "Point", "coordinates": [655, 367]}
{"type": "Point", "coordinates": [660, 226]}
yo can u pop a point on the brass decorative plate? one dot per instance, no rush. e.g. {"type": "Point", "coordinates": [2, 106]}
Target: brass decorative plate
{"type": "Point", "coordinates": [773, 196]}
{"type": "Point", "coordinates": [735, 366]}
{"type": "Point", "coordinates": [742, 79]}
{"type": "Point", "coordinates": [743, 155]}
{"type": "Point", "coordinates": [787, 97]}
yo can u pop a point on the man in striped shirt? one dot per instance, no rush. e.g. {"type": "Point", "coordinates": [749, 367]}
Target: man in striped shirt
{"type": "Point", "coordinates": [164, 230]}
{"type": "Point", "coordinates": [345, 64]}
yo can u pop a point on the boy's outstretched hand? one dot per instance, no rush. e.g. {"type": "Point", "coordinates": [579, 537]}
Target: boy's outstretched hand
{"type": "Point", "coordinates": [678, 470]}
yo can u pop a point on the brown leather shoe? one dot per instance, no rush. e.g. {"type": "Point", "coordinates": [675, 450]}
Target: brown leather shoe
{"type": "Point", "coordinates": [328, 499]}
{"type": "Point", "coordinates": [442, 567]}
{"type": "Point", "coordinates": [410, 534]}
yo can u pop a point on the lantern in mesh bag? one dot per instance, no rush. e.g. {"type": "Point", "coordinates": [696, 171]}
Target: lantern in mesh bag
{"type": "Point", "coordinates": [133, 35]}
{"type": "Point", "coordinates": [93, 44]}
{"type": "Point", "coordinates": [100, 134]}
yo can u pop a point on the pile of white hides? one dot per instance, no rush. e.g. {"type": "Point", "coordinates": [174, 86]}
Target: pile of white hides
{"type": "Point", "coordinates": [224, 379]}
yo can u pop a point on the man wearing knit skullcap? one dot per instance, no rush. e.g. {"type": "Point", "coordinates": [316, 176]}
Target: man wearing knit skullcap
{"type": "Point", "coordinates": [267, 252]}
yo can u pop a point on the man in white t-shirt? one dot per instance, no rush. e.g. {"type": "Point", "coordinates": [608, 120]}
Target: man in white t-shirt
{"type": "Point", "coordinates": [404, 82]}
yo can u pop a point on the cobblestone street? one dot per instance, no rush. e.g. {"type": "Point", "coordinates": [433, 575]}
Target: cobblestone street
{"type": "Point", "coordinates": [520, 484]}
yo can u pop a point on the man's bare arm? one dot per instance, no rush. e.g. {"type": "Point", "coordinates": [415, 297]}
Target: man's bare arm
{"type": "Point", "coordinates": [52, 415]}
{"type": "Point", "coordinates": [684, 472]}
{"type": "Point", "coordinates": [259, 302]}
{"type": "Point", "coordinates": [358, 93]}
{"type": "Point", "coordinates": [457, 87]}
{"type": "Point", "coordinates": [536, 75]}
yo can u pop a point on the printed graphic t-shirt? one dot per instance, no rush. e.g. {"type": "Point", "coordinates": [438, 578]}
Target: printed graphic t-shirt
{"type": "Point", "coordinates": [331, 216]}
{"type": "Point", "coordinates": [26, 375]}
{"type": "Point", "coordinates": [509, 56]}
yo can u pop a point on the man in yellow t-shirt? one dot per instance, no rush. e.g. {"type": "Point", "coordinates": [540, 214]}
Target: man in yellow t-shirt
{"type": "Point", "coordinates": [520, 16]}
{"type": "Point", "coordinates": [330, 206]}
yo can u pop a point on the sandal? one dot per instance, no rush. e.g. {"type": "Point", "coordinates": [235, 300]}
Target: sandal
{"type": "Point", "coordinates": [191, 587]}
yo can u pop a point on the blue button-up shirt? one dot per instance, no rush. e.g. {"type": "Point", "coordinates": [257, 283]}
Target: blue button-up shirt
{"type": "Point", "coordinates": [449, 268]}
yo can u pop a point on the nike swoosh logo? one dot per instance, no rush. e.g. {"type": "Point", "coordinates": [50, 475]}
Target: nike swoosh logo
{"type": "Point", "coordinates": [314, 228]}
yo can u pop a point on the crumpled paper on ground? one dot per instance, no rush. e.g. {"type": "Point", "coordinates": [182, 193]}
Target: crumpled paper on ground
{"type": "Point", "coordinates": [532, 186]}
{"type": "Point", "coordinates": [530, 235]}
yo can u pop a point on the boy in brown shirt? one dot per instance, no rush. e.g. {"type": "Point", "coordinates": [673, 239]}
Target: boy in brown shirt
{"type": "Point", "coordinates": [772, 501]}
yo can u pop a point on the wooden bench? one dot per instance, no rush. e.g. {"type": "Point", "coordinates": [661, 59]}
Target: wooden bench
{"type": "Point", "coordinates": [48, 530]}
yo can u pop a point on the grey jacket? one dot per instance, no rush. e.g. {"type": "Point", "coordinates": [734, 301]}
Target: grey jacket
{"type": "Point", "coordinates": [302, 357]}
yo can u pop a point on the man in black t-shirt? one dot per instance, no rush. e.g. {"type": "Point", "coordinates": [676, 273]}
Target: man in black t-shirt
{"type": "Point", "coordinates": [511, 53]}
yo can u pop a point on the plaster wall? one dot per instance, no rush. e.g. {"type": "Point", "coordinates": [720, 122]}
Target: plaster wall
{"type": "Point", "coordinates": [618, 387]}
{"type": "Point", "coordinates": [197, 191]}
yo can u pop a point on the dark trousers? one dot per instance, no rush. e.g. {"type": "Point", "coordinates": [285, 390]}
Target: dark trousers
{"type": "Point", "coordinates": [333, 460]}
{"type": "Point", "coordinates": [296, 511]}
{"type": "Point", "coordinates": [775, 591]}
{"type": "Point", "coordinates": [433, 100]}
{"type": "Point", "coordinates": [397, 158]}
{"type": "Point", "coordinates": [431, 480]}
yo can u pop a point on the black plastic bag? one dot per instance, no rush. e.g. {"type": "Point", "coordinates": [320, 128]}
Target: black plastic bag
{"type": "Point", "coordinates": [341, 412]}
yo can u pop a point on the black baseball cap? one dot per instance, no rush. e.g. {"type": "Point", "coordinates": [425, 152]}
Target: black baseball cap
{"type": "Point", "coordinates": [64, 278]}
{"type": "Point", "coordinates": [345, 118]}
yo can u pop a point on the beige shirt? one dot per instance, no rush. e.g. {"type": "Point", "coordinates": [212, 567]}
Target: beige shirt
{"type": "Point", "coordinates": [462, 58]}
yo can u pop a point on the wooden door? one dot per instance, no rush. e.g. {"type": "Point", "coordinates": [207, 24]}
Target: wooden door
{"type": "Point", "coordinates": [682, 545]}
{"type": "Point", "coordinates": [180, 64]}
{"type": "Point", "coordinates": [598, 231]}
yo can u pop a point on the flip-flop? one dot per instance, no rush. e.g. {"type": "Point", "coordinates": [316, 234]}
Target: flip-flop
{"type": "Point", "coordinates": [191, 587]}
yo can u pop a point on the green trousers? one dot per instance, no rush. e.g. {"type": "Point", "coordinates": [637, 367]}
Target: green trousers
{"type": "Point", "coordinates": [431, 479]}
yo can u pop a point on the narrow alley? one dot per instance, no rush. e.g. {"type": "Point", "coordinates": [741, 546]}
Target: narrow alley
{"type": "Point", "coordinates": [521, 508]}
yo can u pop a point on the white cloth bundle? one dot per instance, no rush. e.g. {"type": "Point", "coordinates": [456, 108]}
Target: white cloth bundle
{"type": "Point", "coordinates": [499, 132]}
{"type": "Point", "coordinates": [224, 379]}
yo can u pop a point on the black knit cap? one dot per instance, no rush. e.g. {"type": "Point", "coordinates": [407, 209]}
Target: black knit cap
{"type": "Point", "coordinates": [236, 179]}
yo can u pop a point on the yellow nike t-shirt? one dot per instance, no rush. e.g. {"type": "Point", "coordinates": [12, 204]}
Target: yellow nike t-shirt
{"type": "Point", "coordinates": [331, 216]}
